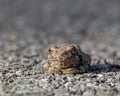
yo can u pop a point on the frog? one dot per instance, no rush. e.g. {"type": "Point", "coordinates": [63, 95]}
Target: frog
{"type": "Point", "coordinates": [66, 59]}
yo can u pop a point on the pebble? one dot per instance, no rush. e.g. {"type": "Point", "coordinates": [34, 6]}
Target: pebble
{"type": "Point", "coordinates": [88, 93]}
{"type": "Point", "coordinates": [19, 72]}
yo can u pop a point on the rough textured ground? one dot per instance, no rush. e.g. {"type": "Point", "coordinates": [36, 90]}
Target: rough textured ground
{"type": "Point", "coordinates": [21, 60]}
{"type": "Point", "coordinates": [27, 28]}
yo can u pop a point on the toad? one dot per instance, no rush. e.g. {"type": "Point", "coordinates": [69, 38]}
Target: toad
{"type": "Point", "coordinates": [66, 59]}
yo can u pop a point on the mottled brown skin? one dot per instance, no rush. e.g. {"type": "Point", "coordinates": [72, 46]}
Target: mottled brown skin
{"type": "Point", "coordinates": [66, 59]}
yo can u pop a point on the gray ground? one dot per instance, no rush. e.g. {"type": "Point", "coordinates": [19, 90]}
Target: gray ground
{"type": "Point", "coordinates": [29, 27]}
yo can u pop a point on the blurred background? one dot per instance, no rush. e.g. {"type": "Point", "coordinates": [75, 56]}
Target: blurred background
{"type": "Point", "coordinates": [60, 21]}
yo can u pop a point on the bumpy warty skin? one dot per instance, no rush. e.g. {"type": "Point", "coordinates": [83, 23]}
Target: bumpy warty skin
{"type": "Point", "coordinates": [67, 59]}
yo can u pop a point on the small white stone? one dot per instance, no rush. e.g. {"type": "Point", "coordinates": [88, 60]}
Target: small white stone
{"type": "Point", "coordinates": [100, 75]}
{"type": "Point", "coordinates": [19, 72]}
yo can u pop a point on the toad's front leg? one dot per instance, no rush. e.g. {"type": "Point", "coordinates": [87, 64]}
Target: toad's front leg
{"type": "Point", "coordinates": [72, 71]}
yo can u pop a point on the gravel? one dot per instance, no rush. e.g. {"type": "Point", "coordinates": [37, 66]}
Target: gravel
{"type": "Point", "coordinates": [21, 70]}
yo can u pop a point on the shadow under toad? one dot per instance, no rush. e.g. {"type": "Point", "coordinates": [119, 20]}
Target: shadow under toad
{"type": "Point", "coordinates": [104, 68]}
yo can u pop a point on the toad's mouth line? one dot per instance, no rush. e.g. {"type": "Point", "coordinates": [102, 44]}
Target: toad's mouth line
{"type": "Point", "coordinates": [56, 60]}
{"type": "Point", "coordinates": [61, 60]}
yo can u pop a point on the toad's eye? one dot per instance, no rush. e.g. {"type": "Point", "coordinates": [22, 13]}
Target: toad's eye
{"type": "Point", "coordinates": [73, 49]}
{"type": "Point", "coordinates": [73, 52]}
{"type": "Point", "coordinates": [51, 50]}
